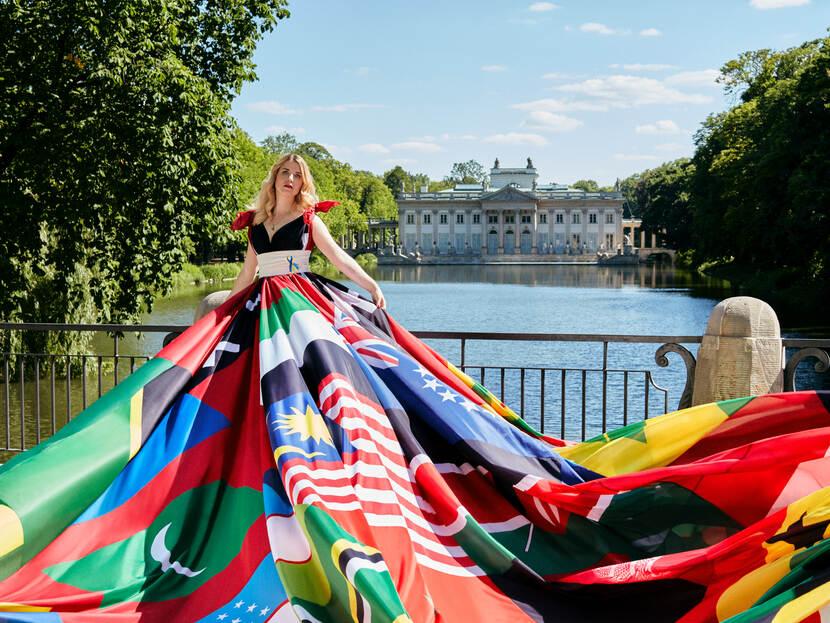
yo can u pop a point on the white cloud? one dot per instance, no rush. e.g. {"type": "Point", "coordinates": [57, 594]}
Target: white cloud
{"type": "Point", "coordinates": [702, 78]}
{"type": "Point", "coordinates": [631, 157]}
{"type": "Point", "coordinates": [555, 75]}
{"type": "Point", "coordinates": [516, 138]}
{"type": "Point", "coordinates": [764, 5]}
{"type": "Point", "coordinates": [643, 66]}
{"type": "Point", "coordinates": [419, 146]}
{"type": "Point", "coordinates": [596, 28]}
{"type": "Point", "coordinates": [559, 105]}
{"type": "Point", "coordinates": [664, 126]}
{"type": "Point", "coordinates": [468, 137]}
{"type": "Point", "coordinates": [650, 32]}
{"type": "Point", "coordinates": [551, 122]}
{"type": "Point", "coordinates": [493, 68]}
{"type": "Point", "coordinates": [271, 107]}
{"type": "Point", "coordinates": [278, 129]}
{"type": "Point", "coordinates": [374, 148]}
{"type": "Point", "coordinates": [344, 107]}
{"type": "Point", "coordinates": [623, 91]}
{"type": "Point", "coordinates": [540, 7]}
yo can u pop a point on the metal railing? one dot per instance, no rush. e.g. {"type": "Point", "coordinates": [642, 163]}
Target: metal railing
{"type": "Point", "coordinates": [43, 391]}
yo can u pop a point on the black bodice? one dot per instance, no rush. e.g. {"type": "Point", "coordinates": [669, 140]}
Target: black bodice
{"type": "Point", "coordinates": [286, 238]}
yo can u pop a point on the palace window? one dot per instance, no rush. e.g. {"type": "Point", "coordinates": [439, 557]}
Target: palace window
{"type": "Point", "coordinates": [509, 218]}
{"type": "Point", "coordinates": [609, 218]}
{"type": "Point", "coordinates": [492, 219]}
{"type": "Point", "coordinates": [476, 219]}
{"type": "Point", "coordinates": [442, 218]}
{"type": "Point", "coordinates": [427, 218]}
{"type": "Point", "coordinates": [410, 219]}
{"type": "Point", "coordinates": [459, 219]}
{"type": "Point", "coordinates": [576, 218]}
{"type": "Point", "coordinates": [560, 218]}
{"type": "Point", "coordinates": [543, 217]}
{"type": "Point", "coordinates": [592, 218]}
{"type": "Point", "coordinates": [525, 218]}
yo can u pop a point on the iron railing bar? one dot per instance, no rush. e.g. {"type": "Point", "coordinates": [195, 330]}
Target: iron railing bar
{"type": "Point", "coordinates": [604, 386]}
{"type": "Point", "coordinates": [625, 397]}
{"type": "Point", "coordinates": [37, 399]}
{"type": "Point", "coordinates": [522, 393]}
{"type": "Point", "coordinates": [83, 382]}
{"type": "Point", "coordinates": [8, 401]}
{"type": "Point", "coordinates": [564, 374]}
{"type": "Point", "coordinates": [502, 386]}
{"type": "Point", "coordinates": [52, 398]}
{"type": "Point", "coordinates": [22, 392]}
{"type": "Point", "coordinates": [542, 404]}
{"type": "Point", "coordinates": [584, 373]}
{"type": "Point", "coordinates": [68, 389]}
{"type": "Point", "coordinates": [115, 357]}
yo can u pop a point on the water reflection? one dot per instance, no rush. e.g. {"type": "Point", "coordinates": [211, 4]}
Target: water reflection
{"type": "Point", "coordinates": [560, 275]}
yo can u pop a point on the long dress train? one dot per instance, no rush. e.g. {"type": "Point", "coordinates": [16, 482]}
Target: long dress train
{"type": "Point", "coordinates": [296, 455]}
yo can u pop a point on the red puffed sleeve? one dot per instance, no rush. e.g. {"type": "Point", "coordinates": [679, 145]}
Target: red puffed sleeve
{"type": "Point", "coordinates": [243, 219]}
{"type": "Point", "coordinates": [308, 218]}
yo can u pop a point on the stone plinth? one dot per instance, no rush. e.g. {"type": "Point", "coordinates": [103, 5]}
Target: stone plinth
{"type": "Point", "coordinates": [210, 302]}
{"type": "Point", "coordinates": [741, 353]}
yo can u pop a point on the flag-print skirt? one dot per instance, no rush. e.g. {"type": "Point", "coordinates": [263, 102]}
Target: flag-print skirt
{"type": "Point", "coordinates": [297, 455]}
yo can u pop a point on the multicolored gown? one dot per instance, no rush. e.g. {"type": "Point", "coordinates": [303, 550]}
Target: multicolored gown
{"type": "Point", "coordinates": [296, 455]}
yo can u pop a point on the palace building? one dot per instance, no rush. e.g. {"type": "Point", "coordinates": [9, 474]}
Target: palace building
{"type": "Point", "coordinates": [512, 215]}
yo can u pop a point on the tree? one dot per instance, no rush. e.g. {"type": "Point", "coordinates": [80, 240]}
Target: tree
{"type": "Point", "coordinates": [662, 195]}
{"type": "Point", "coordinates": [470, 172]}
{"type": "Point", "coordinates": [396, 180]}
{"type": "Point", "coordinates": [116, 146]}
{"type": "Point", "coordinates": [589, 186]}
{"type": "Point", "coordinates": [280, 144]}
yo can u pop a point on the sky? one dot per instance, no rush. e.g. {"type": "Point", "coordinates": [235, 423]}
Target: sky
{"type": "Point", "coordinates": [590, 89]}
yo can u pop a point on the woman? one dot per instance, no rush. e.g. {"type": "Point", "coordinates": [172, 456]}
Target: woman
{"type": "Point", "coordinates": [287, 194]}
{"type": "Point", "coordinates": [296, 455]}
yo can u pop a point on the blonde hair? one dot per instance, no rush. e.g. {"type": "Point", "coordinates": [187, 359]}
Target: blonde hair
{"type": "Point", "coordinates": [266, 199]}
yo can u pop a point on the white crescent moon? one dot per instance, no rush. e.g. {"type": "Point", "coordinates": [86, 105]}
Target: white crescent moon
{"type": "Point", "coordinates": [160, 553]}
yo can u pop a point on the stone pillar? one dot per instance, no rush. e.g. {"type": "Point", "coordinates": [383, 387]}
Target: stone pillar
{"type": "Point", "coordinates": [517, 232]}
{"type": "Point", "coordinates": [534, 228]}
{"type": "Point", "coordinates": [642, 239]}
{"type": "Point", "coordinates": [500, 250]}
{"type": "Point", "coordinates": [741, 353]}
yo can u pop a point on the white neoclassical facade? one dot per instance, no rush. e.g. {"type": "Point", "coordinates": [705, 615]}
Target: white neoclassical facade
{"type": "Point", "coordinates": [513, 215]}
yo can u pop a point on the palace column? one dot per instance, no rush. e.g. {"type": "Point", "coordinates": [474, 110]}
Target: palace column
{"type": "Point", "coordinates": [435, 230]}
{"type": "Point", "coordinates": [534, 226]}
{"type": "Point", "coordinates": [419, 216]}
{"type": "Point", "coordinates": [500, 250]}
{"type": "Point", "coordinates": [516, 233]}
{"type": "Point", "coordinates": [451, 218]}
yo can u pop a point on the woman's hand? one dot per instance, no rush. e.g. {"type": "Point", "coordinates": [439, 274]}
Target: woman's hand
{"type": "Point", "coordinates": [377, 296]}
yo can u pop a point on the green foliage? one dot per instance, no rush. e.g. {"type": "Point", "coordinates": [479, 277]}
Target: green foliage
{"type": "Point", "coordinates": [470, 172]}
{"type": "Point", "coordinates": [398, 180]}
{"type": "Point", "coordinates": [662, 197]}
{"type": "Point", "coordinates": [761, 187]}
{"type": "Point", "coordinates": [589, 186]}
{"type": "Point", "coordinates": [116, 147]}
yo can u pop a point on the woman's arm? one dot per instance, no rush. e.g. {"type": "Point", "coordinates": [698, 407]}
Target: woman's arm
{"type": "Point", "coordinates": [248, 272]}
{"type": "Point", "coordinates": [344, 262]}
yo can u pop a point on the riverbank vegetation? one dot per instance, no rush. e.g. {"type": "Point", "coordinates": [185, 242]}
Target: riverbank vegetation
{"type": "Point", "coordinates": [752, 204]}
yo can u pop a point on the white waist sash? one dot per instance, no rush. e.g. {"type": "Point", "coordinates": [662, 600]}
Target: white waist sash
{"type": "Point", "coordinates": [283, 262]}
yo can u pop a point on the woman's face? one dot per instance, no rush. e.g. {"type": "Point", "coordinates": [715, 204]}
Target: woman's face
{"type": "Point", "coordinates": [289, 179]}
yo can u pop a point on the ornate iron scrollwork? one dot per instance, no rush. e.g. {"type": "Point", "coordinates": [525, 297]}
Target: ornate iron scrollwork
{"type": "Point", "coordinates": [822, 365]}
{"type": "Point", "coordinates": [689, 359]}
